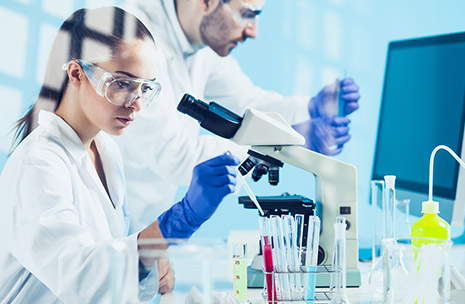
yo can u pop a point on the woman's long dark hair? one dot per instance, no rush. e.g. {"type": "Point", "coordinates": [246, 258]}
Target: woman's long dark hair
{"type": "Point", "coordinates": [93, 35]}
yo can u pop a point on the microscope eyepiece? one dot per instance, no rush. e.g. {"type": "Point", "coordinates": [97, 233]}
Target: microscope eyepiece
{"type": "Point", "coordinates": [193, 107]}
{"type": "Point", "coordinates": [212, 116]}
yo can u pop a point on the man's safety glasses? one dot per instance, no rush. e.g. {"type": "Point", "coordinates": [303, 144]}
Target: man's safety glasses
{"type": "Point", "coordinates": [246, 16]}
{"type": "Point", "coordinates": [120, 91]}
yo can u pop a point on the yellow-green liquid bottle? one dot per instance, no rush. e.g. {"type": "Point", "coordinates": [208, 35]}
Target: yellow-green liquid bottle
{"type": "Point", "coordinates": [430, 225]}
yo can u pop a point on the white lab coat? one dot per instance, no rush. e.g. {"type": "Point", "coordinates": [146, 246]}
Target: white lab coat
{"type": "Point", "coordinates": [162, 146]}
{"type": "Point", "coordinates": [58, 223]}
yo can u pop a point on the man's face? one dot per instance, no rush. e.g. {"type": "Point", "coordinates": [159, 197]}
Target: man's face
{"type": "Point", "coordinates": [229, 24]}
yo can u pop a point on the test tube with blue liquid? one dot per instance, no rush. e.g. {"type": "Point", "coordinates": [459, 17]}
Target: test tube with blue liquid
{"type": "Point", "coordinates": [311, 258]}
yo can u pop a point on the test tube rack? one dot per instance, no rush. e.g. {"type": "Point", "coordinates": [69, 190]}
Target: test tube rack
{"type": "Point", "coordinates": [321, 295]}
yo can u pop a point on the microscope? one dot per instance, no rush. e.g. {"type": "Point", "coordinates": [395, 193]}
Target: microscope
{"type": "Point", "coordinates": [272, 143]}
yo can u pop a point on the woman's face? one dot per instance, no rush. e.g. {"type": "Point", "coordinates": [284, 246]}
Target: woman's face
{"type": "Point", "coordinates": [134, 60]}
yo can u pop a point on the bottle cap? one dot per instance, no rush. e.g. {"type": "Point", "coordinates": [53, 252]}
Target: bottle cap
{"type": "Point", "coordinates": [390, 181]}
{"type": "Point", "coordinates": [430, 207]}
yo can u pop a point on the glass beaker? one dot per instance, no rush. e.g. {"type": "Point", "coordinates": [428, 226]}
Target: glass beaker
{"type": "Point", "coordinates": [193, 262]}
{"type": "Point", "coordinates": [416, 270]}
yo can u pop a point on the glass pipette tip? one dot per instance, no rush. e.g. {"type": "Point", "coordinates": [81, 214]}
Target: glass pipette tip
{"type": "Point", "coordinates": [251, 194]}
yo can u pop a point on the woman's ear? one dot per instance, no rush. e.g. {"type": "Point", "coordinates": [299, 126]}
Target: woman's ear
{"type": "Point", "coordinates": [75, 73]}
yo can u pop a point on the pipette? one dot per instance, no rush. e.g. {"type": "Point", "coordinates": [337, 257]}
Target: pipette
{"type": "Point", "coordinates": [251, 194]}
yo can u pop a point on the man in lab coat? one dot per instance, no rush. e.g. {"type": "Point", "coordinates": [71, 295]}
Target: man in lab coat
{"type": "Point", "coordinates": [195, 38]}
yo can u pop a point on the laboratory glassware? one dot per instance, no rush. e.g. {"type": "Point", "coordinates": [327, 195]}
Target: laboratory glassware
{"type": "Point", "coordinates": [377, 203]}
{"type": "Point", "coordinates": [311, 259]}
{"type": "Point", "coordinates": [416, 274]}
{"type": "Point", "coordinates": [300, 223]}
{"type": "Point", "coordinates": [192, 262]}
{"type": "Point", "coordinates": [389, 207]}
{"type": "Point", "coordinates": [375, 279]}
{"type": "Point", "coordinates": [402, 224]}
{"type": "Point", "coordinates": [339, 258]}
{"type": "Point", "coordinates": [279, 258]}
{"type": "Point", "coordinates": [250, 194]}
{"type": "Point", "coordinates": [292, 254]}
{"type": "Point", "coordinates": [240, 272]}
{"type": "Point", "coordinates": [265, 238]}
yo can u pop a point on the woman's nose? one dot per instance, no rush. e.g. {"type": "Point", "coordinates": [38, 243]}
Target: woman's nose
{"type": "Point", "coordinates": [135, 103]}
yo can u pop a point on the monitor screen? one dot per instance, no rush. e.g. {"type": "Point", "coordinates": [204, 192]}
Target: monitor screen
{"type": "Point", "coordinates": [423, 105]}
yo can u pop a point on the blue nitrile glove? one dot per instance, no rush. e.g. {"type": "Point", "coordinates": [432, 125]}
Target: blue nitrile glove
{"type": "Point", "coordinates": [325, 135]}
{"type": "Point", "coordinates": [325, 104]}
{"type": "Point", "coordinates": [211, 181]}
{"type": "Point", "coordinates": [327, 132]}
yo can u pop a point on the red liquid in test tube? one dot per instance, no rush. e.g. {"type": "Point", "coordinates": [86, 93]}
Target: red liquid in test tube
{"type": "Point", "coordinates": [268, 263]}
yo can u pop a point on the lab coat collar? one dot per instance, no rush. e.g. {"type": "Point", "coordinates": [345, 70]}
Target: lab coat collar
{"type": "Point", "coordinates": [56, 126]}
{"type": "Point", "coordinates": [186, 47]}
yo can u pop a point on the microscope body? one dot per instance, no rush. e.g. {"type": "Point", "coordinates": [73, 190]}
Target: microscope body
{"type": "Point", "coordinates": [273, 142]}
{"type": "Point", "coordinates": [335, 181]}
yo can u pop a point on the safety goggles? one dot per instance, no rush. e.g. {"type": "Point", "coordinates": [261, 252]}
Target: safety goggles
{"type": "Point", "coordinates": [246, 16]}
{"type": "Point", "coordinates": [120, 91]}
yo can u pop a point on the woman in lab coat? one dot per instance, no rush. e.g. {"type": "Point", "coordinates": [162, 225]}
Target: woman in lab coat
{"type": "Point", "coordinates": [63, 191]}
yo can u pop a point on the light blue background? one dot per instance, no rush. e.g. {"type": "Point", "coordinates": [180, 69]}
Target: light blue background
{"type": "Point", "coordinates": [302, 45]}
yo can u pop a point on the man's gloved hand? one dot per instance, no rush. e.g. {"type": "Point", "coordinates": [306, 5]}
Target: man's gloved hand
{"type": "Point", "coordinates": [211, 181]}
{"type": "Point", "coordinates": [327, 132]}
{"type": "Point", "coordinates": [326, 103]}
{"type": "Point", "coordinates": [325, 136]}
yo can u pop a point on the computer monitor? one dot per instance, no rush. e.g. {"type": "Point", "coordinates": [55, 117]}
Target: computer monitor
{"type": "Point", "coordinates": [423, 105]}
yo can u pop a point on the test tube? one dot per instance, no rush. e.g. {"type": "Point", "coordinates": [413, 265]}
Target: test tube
{"type": "Point", "coordinates": [311, 258]}
{"type": "Point", "coordinates": [389, 207]}
{"type": "Point", "coordinates": [290, 241]}
{"type": "Point", "coordinates": [339, 259]}
{"type": "Point", "coordinates": [280, 263]}
{"type": "Point", "coordinates": [299, 223]}
{"type": "Point", "coordinates": [240, 272]}
{"type": "Point", "coordinates": [265, 236]}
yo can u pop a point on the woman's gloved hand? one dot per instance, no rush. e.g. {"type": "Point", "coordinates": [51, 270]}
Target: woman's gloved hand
{"type": "Point", "coordinates": [211, 181]}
